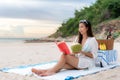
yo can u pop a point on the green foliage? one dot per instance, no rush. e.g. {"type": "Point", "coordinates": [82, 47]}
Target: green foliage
{"type": "Point", "coordinates": [114, 9]}
{"type": "Point", "coordinates": [116, 35]}
{"type": "Point", "coordinates": [99, 12]}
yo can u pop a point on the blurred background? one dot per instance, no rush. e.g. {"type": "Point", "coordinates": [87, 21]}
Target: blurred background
{"type": "Point", "coordinates": [36, 19]}
{"type": "Point", "coordinates": [31, 19]}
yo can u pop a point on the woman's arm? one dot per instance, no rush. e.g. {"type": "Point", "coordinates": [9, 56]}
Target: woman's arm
{"type": "Point", "coordinates": [88, 54]}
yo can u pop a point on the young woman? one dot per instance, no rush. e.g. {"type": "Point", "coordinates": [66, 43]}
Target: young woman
{"type": "Point", "coordinates": [84, 59]}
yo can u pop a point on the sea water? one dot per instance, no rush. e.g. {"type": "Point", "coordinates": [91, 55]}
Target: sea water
{"type": "Point", "coordinates": [14, 40]}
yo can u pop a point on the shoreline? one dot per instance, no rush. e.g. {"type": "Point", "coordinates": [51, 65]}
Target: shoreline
{"type": "Point", "coordinates": [48, 40]}
{"type": "Point", "coordinates": [68, 39]}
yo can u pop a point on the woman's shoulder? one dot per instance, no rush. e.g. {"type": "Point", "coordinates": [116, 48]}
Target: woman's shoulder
{"type": "Point", "coordinates": [92, 39]}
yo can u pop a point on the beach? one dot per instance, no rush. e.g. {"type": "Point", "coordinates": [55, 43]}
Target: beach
{"type": "Point", "coordinates": [18, 54]}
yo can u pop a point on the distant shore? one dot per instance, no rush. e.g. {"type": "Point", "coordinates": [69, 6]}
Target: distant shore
{"type": "Point", "coordinates": [67, 39]}
{"type": "Point", "coordinates": [47, 39]}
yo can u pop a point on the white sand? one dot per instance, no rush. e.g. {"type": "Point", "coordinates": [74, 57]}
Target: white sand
{"type": "Point", "coordinates": [16, 54]}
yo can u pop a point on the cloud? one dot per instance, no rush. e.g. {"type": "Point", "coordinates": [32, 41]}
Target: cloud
{"type": "Point", "coordinates": [56, 10]}
{"type": "Point", "coordinates": [26, 27]}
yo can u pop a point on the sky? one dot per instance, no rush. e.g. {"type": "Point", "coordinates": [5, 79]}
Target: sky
{"type": "Point", "coordinates": [36, 18]}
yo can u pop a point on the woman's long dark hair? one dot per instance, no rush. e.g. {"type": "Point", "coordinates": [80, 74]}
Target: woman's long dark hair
{"type": "Point", "coordinates": [89, 31]}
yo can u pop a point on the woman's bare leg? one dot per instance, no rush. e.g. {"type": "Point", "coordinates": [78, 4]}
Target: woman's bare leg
{"type": "Point", "coordinates": [61, 61]}
{"type": "Point", "coordinates": [65, 62]}
{"type": "Point", "coordinates": [40, 71]}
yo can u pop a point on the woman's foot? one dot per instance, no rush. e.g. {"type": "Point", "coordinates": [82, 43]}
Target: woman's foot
{"type": "Point", "coordinates": [47, 73]}
{"type": "Point", "coordinates": [38, 72]}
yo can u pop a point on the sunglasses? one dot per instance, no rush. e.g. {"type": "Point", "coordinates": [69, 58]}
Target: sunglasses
{"type": "Point", "coordinates": [83, 21]}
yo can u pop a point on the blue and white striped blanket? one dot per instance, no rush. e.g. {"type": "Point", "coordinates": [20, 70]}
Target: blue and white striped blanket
{"type": "Point", "coordinates": [107, 57]}
{"type": "Point", "coordinates": [62, 75]}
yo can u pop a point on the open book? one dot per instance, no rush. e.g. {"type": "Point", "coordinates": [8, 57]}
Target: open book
{"type": "Point", "coordinates": [63, 47]}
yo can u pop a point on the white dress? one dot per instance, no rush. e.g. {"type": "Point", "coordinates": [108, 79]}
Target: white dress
{"type": "Point", "coordinates": [91, 46]}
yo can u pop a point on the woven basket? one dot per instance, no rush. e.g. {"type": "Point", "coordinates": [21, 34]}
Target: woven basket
{"type": "Point", "coordinates": [108, 42]}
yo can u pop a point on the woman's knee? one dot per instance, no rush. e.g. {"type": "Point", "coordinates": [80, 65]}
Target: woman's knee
{"type": "Point", "coordinates": [66, 56]}
{"type": "Point", "coordinates": [69, 57]}
{"type": "Point", "coordinates": [63, 56]}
